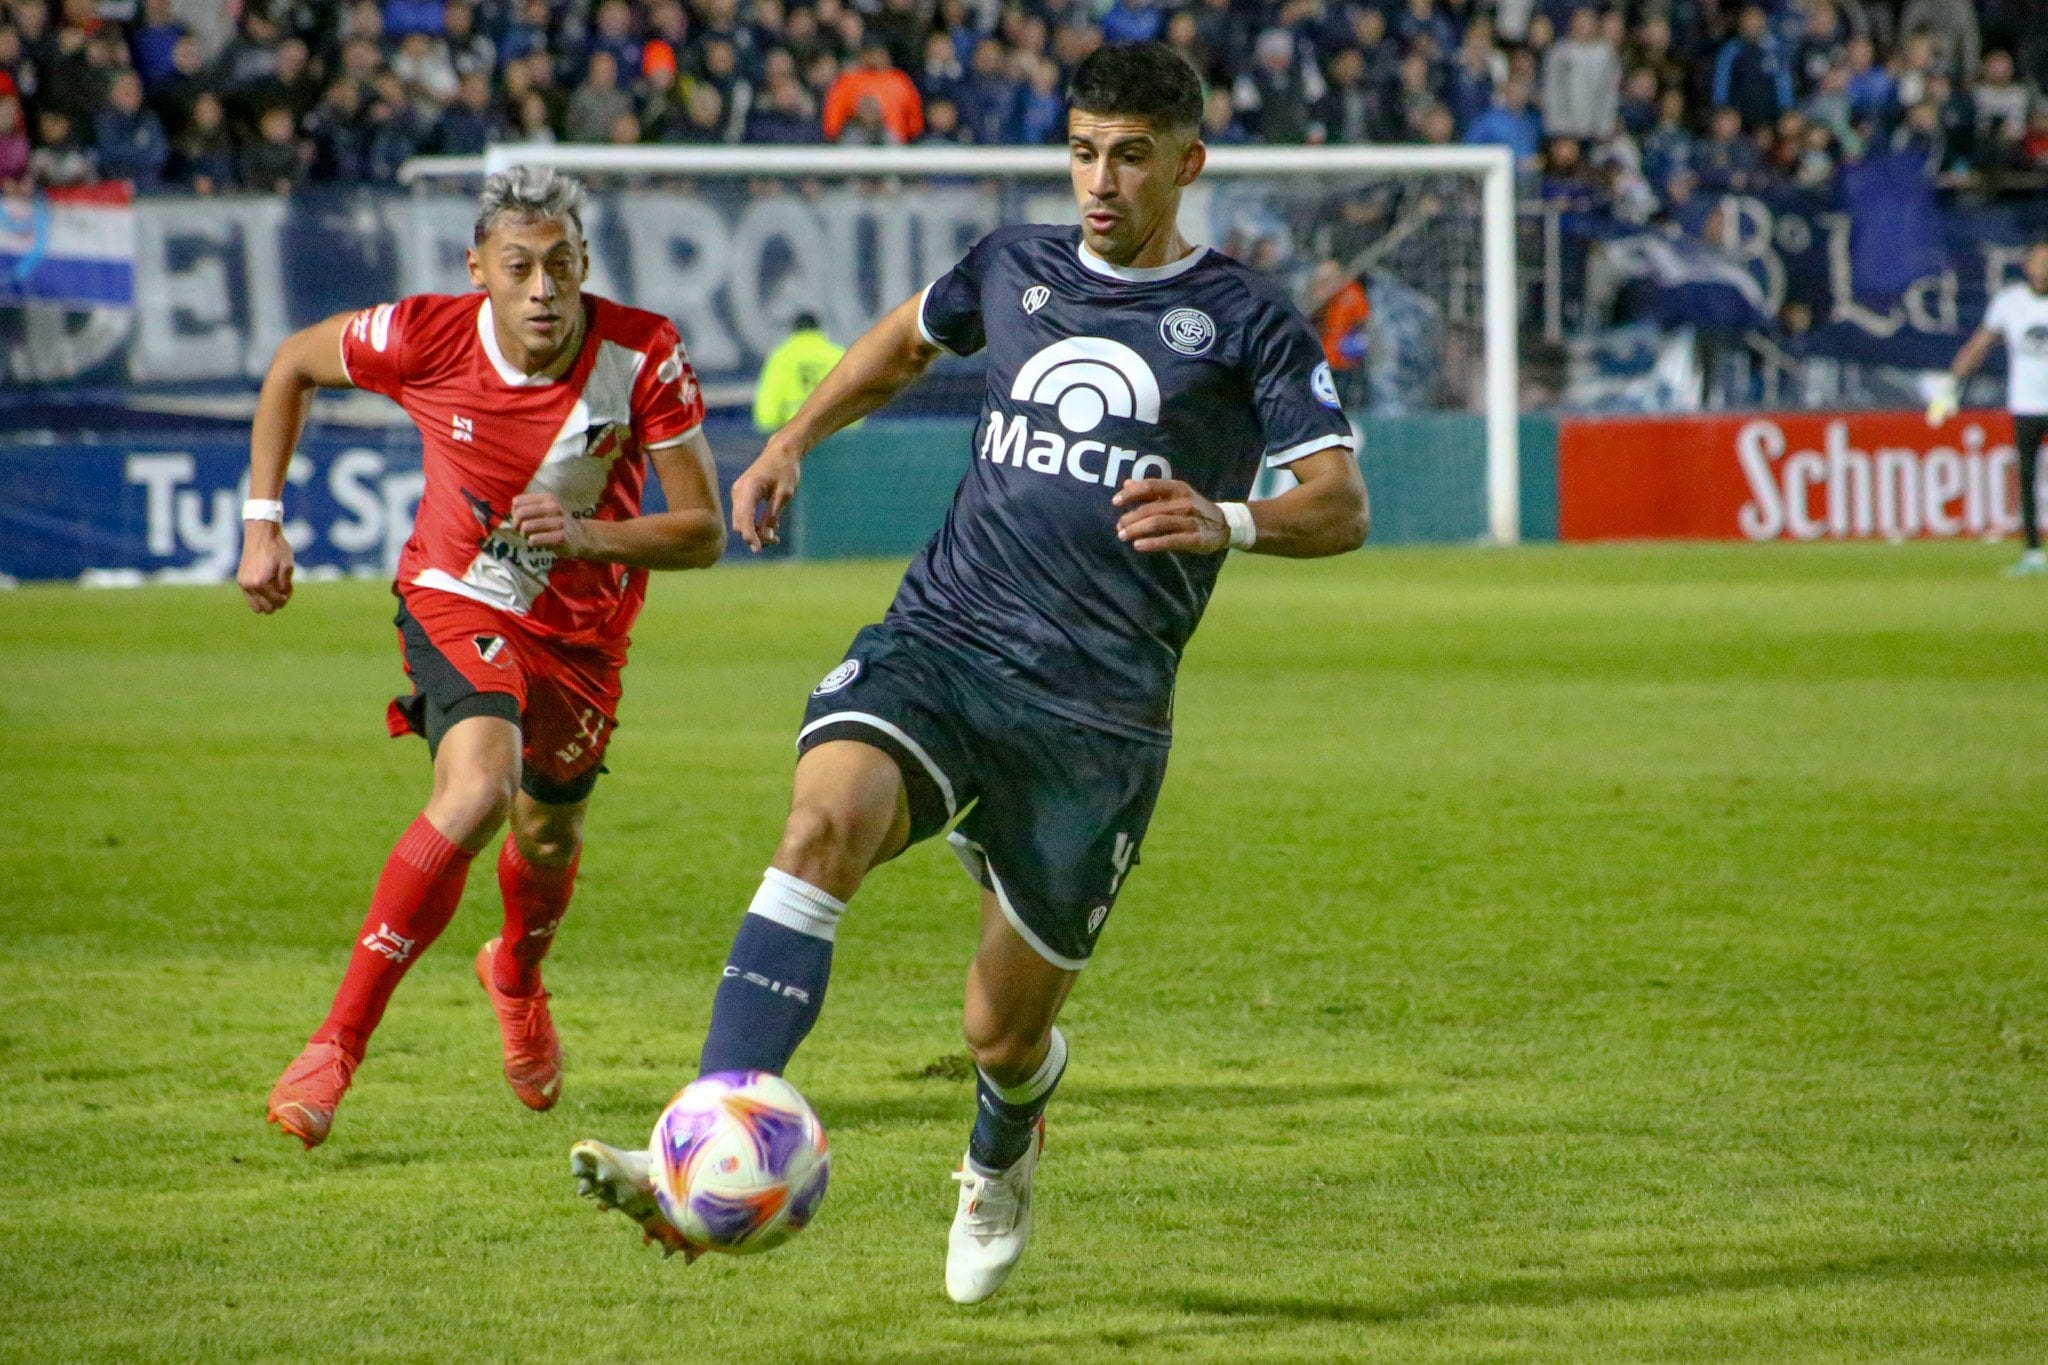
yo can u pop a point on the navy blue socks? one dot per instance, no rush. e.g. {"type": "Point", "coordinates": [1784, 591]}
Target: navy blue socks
{"type": "Point", "coordinates": [774, 982]}
{"type": "Point", "coordinates": [1005, 1115]}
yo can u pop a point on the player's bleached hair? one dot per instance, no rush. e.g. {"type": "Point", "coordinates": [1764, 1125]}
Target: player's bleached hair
{"type": "Point", "coordinates": [530, 194]}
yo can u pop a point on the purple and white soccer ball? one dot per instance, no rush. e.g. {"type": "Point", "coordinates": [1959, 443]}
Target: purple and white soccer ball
{"type": "Point", "coordinates": [740, 1162]}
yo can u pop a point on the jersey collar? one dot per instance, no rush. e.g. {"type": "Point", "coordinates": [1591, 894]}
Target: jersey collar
{"type": "Point", "coordinates": [1139, 274]}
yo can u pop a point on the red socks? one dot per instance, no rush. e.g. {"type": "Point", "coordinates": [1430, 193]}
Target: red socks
{"type": "Point", "coordinates": [415, 898]}
{"type": "Point", "coordinates": [536, 898]}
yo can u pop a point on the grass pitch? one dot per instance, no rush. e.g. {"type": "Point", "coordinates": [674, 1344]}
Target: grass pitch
{"type": "Point", "coordinates": [1561, 954]}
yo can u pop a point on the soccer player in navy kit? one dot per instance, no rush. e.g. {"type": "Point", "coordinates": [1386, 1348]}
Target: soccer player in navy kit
{"type": "Point", "coordinates": [1025, 672]}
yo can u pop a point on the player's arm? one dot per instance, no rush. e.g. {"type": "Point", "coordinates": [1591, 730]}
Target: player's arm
{"type": "Point", "coordinates": [1948, 390]}
{"type": "Point", "coordinates": [1325, 513]}
{"type": "Point", "coordinates": [689, 535]}
{"type": "Point", "coordinates": [308, 360]}
{"type": "Point", "coordinates": [887, 358]}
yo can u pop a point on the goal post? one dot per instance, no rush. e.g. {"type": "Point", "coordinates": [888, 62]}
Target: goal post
{"type": "Point", "coordinates": [1451, 249]}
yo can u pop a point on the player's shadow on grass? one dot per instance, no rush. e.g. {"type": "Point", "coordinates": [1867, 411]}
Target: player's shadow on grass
{"type": "Point", "coordinates": [1558, 1291]}
{"type": "Point", "coordinates": [948, 1100]}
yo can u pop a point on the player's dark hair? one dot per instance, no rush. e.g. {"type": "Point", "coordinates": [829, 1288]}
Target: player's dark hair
{"type": "Point", "coordinates": [805, 321]}
{"type": "Point", "coordinates": [1149, 81]}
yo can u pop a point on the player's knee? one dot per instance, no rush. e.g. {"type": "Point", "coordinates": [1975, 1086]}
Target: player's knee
{"type": "Point", "coordinates": [1009, 1055]}
{"type": "Point", "coordinates": [547, 838]}
{"type": "Point", "coordinates": [821, 843]}
{"type": "Point", "coordinates": [475, 803]}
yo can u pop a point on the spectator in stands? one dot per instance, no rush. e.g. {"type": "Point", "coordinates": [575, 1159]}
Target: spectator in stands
{"type": "Point", "coordinates": [402, 18]}
{"type": "Point", "coordinates": [786, 112]}
{"type": "Point", "coordinates": [291, 83]}
{"type": "Point", "coordinates": [792, 370]}
{"type": "Point", "coordinates": [1422, 19]}
{"type": "Point", "coordinates": [423, 65]}
{"type": "Point", "coordinates": [1415, 94]}
{"type": "Point", "coordinates": [274, 160]}
{"type": "Point", "coordinates": [942, 124]}
{"type": "Point", "coordinates": [941, 77]}
{"type": "Point", "coordinates": [1042, 108]}
{"type": "Point", "coordinates": [61, 158]}
{"type": "Point", "coordinates": [598, 102]}
{"type": "Point", "coordinates": [701, 121]}
{"type": "Point", "coordinates": [203, 154]}
{"type": "Point", "coordinates": [1352, 111]}
{"type": "Point", "coordinates": [1999, 107]}
{"type": "Point", "coordinates": [1637, 112]}
{"type": "Point", "coordinates": [526, 33]}
{"type": "Point", "coordinates": [394, 133]}
{"type": "Point", "coordinates": [875, 77]}
{"type": "Point", "coordinates": [721, 70]}
{"type": "Point", "coordinates": [174, 96]}
{"type": "Point", "coordinates": [1278, 95]}
{"type": "Point", "coordinates": [1510, 123]}
{"type": "Point", "coordinates": [129, 137]}
{"type": "Point", "coordinates": [1477, 68]}
{"type": "Point", "coordinates": [1220, 125]}
{"type": "Point", "coordinates": [252, 54]}
{"type": "Point", "coordinates": [867, 127]}
{"type": "Point", "coordinates": [612, 34]}
{"type": "Point", "coordinates": [1955, 21]}
{"type": "Point", "coordinates": [1752, 75]}
{"type": "Point", "coordinates": [1870, 85]}
{"type": "Point", "coordinates": [471, 123]}
{"type": "Point", "coordinates": [469, 52]}
{"type": "Point", "coordinates": [340, 146]}
{"type": "Point", "coordinates": [1728, 161]}
{"type": "Point", "coordinates": [1651, 47]}
{"type": "Point", "coordinates": [530, 121]}
{"type": "Point", "coordinates": [151, 43]}
{"type": "Point", "coordinates": [988, 94]}
{"type": "Point", "coordinates": [1132, 21]}
{"type": "Point", "coordinates": [1581, 82]}
{"type": "Point", "coordinates": [901, 26]}
{"type": "Point", "coordinates": [14, 147]}
{"type": "Point", "coordinates": [1821, 44]}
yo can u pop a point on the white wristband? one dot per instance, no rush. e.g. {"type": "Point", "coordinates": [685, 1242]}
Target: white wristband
{"type": "Point", "coordinates": [263, 509]}
{"type": "Point", "coordinates": [1244, 532]}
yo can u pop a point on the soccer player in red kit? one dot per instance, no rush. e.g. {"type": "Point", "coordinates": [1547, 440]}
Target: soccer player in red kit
{"type": "Point", "coordinates": [540, 407]}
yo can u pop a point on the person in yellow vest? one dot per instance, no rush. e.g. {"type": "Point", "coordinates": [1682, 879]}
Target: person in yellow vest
{"type": "Point", "coordinates": [791, 371]}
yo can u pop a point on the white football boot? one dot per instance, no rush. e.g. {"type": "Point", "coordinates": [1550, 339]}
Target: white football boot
{"type": "Point", "coordinates": [621, 1179]}
{"type": "Point", "coordinates": [2029, 565]}
{"type": "Point", "coordinates": [991, 1226]}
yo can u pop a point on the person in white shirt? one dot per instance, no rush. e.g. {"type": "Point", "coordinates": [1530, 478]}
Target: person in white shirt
{"type": "Point", "coordinates": [2018, 316]}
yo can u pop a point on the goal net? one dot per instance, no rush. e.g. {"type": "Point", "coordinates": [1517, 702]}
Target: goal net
{"type": "Point", "coordinates": [1404, 258]}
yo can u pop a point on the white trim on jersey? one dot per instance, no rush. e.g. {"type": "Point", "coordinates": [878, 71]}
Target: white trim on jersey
{"type": "Point", "coordinates": [440, 580]}
{"type": "Point", "coordinates": [676, 440]}
{"type": "Point", "coordinates": [974, 858]}
{"type": "Point", "coordinates": [896, 733]}
{"type": "Point", "coordinates": [1140, 274]}
{"type": "Point", "coordinates": [925, 331]}
{"type": "Point", "coordinates": [1309, 447]}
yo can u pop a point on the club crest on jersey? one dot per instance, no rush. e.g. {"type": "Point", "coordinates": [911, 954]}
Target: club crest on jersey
{"type": "Point", "coordinates": [1323, 386]}
{"type": "Point", "coordinates": [1188, 330]}
{"type": "Point", "coordinates": [608, 442]}
{"type": "Point", "coordinates": [1036, 298]}
{"type": "Point", "coordinates": [488, 647]}
{"type": "Point", "coordinates": [837, 678]}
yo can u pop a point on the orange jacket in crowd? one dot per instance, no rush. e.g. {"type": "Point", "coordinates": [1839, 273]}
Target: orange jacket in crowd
{"type": "Point", "coordinates": [902, 108]}
{"type": "Point", "coordinates": [1346, 311]}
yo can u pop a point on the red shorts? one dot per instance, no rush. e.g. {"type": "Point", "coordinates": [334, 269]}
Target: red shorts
{"type": "Point", "coordinates": [467, 659]}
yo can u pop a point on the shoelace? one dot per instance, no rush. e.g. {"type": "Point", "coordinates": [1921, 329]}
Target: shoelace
{"type": "Point", "coordinates": [522, 1017]}
{"type": "Point", "coordinates": [336, 1066]}
{"type": "Point", "coordinates": [987, 1216]}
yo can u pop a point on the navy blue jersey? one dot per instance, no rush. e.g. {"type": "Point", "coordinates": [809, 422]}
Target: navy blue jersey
{"type": "Point", "coordinates": [1197, 370]}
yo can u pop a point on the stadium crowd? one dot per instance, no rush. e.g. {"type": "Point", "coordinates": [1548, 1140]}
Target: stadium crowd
{"type": "Point", "coordinates": [1624, 107]}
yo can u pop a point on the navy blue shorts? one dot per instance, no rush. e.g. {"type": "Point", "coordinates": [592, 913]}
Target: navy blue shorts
{"type": "Point", "coordinates": [1056, 810]}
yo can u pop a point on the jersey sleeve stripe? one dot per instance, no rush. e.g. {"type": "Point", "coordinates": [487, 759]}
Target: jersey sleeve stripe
{"type": "Point", "coordinates": [922, 329]}
{"type": "Point", "coordinates": [677, 439]}
{"type": "Point", "coordinates": [1309, 447]}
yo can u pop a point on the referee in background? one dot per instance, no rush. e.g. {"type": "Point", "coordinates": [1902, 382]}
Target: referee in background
{"type": "Point", "coordinates": [2018, 316]}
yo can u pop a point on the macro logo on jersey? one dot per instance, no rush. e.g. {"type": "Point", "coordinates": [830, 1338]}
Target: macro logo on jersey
{"type": "Point", "coordinates": [1083, 380]}
{"type": "Point", "coordinates": [1188, 330]}
{"type": "Point", "coordinates": [1035, 298]}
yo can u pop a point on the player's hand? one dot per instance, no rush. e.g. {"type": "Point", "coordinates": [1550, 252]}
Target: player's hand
{"type": "Point", "coordinates": [265, 576]}
{"type": "Point", "coordinates": [760, 494]}
{"type": "Point", "coordinates": [1166, 514]}
{"type": "Point", "coordinates": [1942, 406]}
{"type": "Point", "coordinates": [541, 519]}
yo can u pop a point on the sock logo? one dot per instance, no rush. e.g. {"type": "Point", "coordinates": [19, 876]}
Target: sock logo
{"type": "Point", "coordinates": [782, 988]}
{"type": "Point", "coordinates": [397, 947]}
{"type": "Point", "coordinates": [488, 647]}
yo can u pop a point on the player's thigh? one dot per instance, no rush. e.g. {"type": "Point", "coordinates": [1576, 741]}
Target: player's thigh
{"type": "Point", "coordinates": [848, 795]}
{"type": "Point", "coordinates": [1013, 994]}
{"type": "Point", "coordinates": [571, 713]}
{"type": "Point", "coordinates": [476, 774]}
{"type": "Point", "coordinates": [1063, 811]}
{"type": "Point", "coordinates": [887, 701]}
{"type": "Point", "coordinates": [462, 663]}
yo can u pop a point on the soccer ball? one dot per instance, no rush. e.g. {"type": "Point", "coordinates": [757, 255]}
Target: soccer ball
{"type": "Point", "coordinates": [740, 1162]}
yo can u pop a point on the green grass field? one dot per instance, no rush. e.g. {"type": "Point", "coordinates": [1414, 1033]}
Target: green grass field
{"type": "Point", "coordinates": [1561, 954]}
